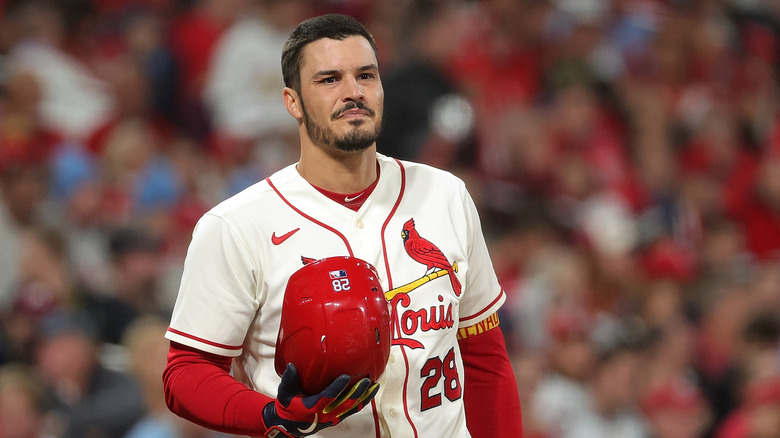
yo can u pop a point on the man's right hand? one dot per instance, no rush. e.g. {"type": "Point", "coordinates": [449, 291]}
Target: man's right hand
{"type": "Point", "coordinates": [295, 414]}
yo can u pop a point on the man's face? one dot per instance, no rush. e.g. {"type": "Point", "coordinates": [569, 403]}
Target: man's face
{"type": "Point", "coordinates": [341, 94]}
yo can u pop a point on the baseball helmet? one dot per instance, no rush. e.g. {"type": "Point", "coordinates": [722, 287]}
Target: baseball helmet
{"type": "Point", "coordinates": [335, 320]}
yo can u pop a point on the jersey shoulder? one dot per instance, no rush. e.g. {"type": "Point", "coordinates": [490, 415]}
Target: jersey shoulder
{"type": "Point", "coordinates": [424, 174]}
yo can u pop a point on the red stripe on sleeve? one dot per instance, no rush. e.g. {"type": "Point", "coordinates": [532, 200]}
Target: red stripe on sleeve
{"type": "Point", "coordinates": [204, 341]}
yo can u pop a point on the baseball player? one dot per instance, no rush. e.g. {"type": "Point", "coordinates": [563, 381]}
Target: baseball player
{"type": "Point", "coordinates": [448, 374]}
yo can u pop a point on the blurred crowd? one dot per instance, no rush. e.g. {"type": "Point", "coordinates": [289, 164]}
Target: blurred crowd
{"type": "Point", "coordinates": [624, 156]}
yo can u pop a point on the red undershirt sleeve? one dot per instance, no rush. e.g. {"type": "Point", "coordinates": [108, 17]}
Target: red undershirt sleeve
{"type": "Point", "coordinates": [198, 387]}
{"type": "Point", "coordinates": [490, 396]}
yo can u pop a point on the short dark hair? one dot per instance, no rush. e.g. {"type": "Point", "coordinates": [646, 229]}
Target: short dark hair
{"type": "Point", "coordinates": [332, 26]}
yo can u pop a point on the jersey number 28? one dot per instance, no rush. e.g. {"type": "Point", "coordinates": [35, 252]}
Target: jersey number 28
{"type": "Point", "coordinates": [434, 371]}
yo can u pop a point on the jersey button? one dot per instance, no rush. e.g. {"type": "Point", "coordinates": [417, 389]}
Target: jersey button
{"type": "Point", "coordinates": [360, 225]}
{"type": "Point", "coordinates": [392, 358]}
{"type": "Point", "coordinates": [393, 412]}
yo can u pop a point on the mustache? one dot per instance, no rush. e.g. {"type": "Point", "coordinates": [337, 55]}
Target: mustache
{"type": "Point", "coordinates": [350, 106]}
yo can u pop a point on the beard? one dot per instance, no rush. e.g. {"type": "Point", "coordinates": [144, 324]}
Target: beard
{"type": "Point", "coordinates": [355, 140]}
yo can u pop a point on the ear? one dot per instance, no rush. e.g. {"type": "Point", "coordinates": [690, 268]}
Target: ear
{"type": "Point", "coordinates": [292, 101]}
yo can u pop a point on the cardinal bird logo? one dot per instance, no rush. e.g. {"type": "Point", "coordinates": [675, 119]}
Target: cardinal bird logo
{"type": "Point", "coordinates": [423, 251]}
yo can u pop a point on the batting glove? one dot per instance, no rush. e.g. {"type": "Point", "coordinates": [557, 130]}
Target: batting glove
{"type": "Point", "coordinates": [295, 414]}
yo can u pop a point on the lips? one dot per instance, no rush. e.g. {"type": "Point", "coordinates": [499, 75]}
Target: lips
{"type": "Point", "coordinates": [353, 109]}
{"type": "Point", "coordinates": [354, 112]}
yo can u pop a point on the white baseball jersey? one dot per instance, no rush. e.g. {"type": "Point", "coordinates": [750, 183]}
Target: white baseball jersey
{"type": "Point", "coordinates": [244, 250]}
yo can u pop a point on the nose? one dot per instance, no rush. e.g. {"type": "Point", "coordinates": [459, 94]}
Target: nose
{"type": "Point", "coordinates": [353, 90]}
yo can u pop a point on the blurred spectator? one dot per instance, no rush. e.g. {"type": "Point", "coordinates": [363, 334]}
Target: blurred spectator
{"type": "Point", "coordinates": [670, 399]}
{"type": "Point", "coordinates": [529, 163]}
{"type": "Point", "coordinates": [85, 398]}
{"type": "Point", "coordinates": [517, 241]}
{"type": "Point", "coordinates": [135, 272]}
{"type": "Point", "coordinates": [242, 88]}
{"type": "Point", "coordinates": [45, 269]}
{"type": "Point", "coordinates": [21, 404]}
{"type": "Point", "coordinates": [611, 408]}
{"type": "Point", "coordinates": [556, 284]}
{"type": "Point", "coordinates": [760, 346]}
{"type": "Point", "coordinates": [758, 416]}
{"type": "Point", "coordinates": [426, 118]}
{"type": "Point", "coordinates": [22, 134]}
{"type": "Point", "coordinates": [74, 100]}
{"type": "Point", "coordinates": [672, 350]}
{"type": "Point", "coordinates": [23, 186]}
{"type": "Point", "coordinates": [9, 259]}
{"type": "Point", "coordinates": [144, 37]}
{"type": "Point", "coordinates": [562, 395]}
{"type": "Point", "coordinates": [748, 347]}
{"type": "Point", "coordinates": [77, 190]}
{"type": "Point", "coordinates": [139, 180]}
{"type": "Point", "coordinates": [498, 63]}
{"type": "Point", "coordinates": [723, 258]}
{"type": "Point", "coordinates": [581, 130]}
{"type": "Point", "coordinates": [718, 331]}
{"type": "Point", "coordinates": [529, 371]}
{"type": "Point", "coordinates": [193, 35]}
{"type": "Point", "coordinates": [45, 285]}
{"type": "Point", "coordinates": [717, 150]}
{"type": "Point", "coordinates": [760, 214]}
{"type": "Point", "coordinates": [9, 256]}
{"type": "Point", "coordinates": [675, 410]}
{"type": "Point", "coordinates": [147, 352]}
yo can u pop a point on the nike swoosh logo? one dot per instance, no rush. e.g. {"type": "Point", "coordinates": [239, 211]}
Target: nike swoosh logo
{"type": "Point", "coordinates": [277, 240]}
{"type": "Point", "coordinates": [310, 428]}
{"type": "Point", "coordinates": [348, 199]}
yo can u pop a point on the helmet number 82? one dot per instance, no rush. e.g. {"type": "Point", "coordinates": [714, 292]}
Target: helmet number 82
{"type": "Point", "coordinates": [340, 284]}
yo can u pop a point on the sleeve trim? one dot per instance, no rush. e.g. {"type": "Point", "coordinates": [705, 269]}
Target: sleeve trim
{"type": "Point", "coordinates": [176, 335]}
{"type": "Point", "coordinates": [473, 319]}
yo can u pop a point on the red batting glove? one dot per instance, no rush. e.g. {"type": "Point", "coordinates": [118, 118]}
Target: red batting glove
{"type": "Point", "coordinates": [295, 414]}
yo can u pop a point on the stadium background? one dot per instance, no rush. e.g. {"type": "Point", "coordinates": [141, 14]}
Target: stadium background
{"type": "Point", "coordinates": [624, 155]}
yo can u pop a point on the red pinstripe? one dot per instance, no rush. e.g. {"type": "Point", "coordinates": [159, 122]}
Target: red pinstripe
{"type": "Point", "coordinates": [323, 225]}
{"type": "Point", "coordinates": [204, 341]}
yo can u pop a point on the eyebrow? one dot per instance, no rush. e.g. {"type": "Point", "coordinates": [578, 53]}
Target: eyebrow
{"type": "Point", "coordinates": [333, 72]}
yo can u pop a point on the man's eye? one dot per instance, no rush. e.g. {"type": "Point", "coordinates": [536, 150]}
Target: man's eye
{"type": "Point", "coordinates": [328, 80]}
{"type": "Point", "coordinates": [366, 76]}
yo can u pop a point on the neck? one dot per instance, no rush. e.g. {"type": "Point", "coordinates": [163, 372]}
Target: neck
{"type": "Point", "coordinates": [336, 171]}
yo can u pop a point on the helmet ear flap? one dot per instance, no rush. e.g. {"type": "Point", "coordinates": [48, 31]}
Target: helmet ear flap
{"type": "Point", "coordinates": [335, 320]}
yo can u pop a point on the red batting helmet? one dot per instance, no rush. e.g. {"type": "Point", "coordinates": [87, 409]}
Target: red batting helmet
{"type": "Point", "coordinates": [335, 320]}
